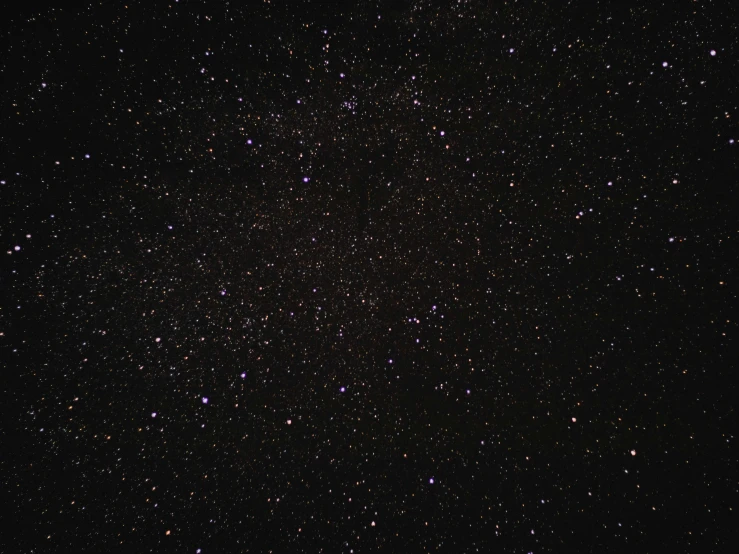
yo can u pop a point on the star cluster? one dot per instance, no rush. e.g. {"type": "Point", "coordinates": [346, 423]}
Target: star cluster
{"type": "Point", "coordinates": [369, 276]}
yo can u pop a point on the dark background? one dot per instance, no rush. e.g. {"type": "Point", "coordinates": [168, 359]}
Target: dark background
{"type": "Point", "coordinates": [512, 307]}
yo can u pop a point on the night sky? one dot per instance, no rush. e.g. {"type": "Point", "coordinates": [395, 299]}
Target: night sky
{"type": "Point", "coordinates": [369, 276]}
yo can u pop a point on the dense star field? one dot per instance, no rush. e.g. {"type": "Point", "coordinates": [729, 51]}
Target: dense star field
{"type": "Point", "coordinates": [369, 276]}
